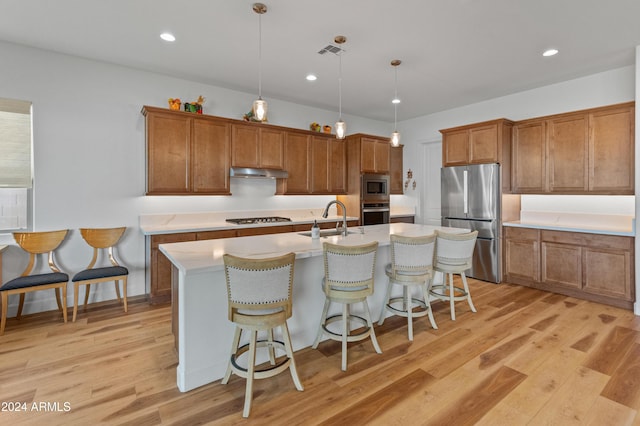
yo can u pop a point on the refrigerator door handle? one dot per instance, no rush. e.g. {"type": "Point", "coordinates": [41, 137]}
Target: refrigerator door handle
{"type": "Point", "coordinates": [465, 191]}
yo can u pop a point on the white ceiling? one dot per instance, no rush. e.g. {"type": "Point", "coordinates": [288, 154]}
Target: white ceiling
{"type": "Point", "coordinates": [453, 52]}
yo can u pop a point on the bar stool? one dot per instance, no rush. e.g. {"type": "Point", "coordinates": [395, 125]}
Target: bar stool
{"type": "Point", "coordinates": [259, 299]}
{"type": "Point", "coordinates": [100, 239]}
{"type": "Point", "coordinates": [454, 255]}
{"type": "Point", "coordinates": [411, 266]}
{"type": "Point", "coordinates": [37, 243]}
{"type": "Point", "coordinates": [348, 279]}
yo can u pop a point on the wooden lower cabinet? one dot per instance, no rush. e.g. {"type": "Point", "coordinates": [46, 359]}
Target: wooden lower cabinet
{"type": "Point", "coordinates": [587, 266]}
{"type": "Point", "coordinates": [402, 219]}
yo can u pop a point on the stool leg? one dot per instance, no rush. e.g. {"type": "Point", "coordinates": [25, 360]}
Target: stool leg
{"type": "Point", "coordinates": [408, 310]}
{"type": "Point", "coordinates": [322, 322]}
{"type": "Point", "coordinates": [383, 311]}
{"type": "Point", "coordinates": [289, 349]}
{"type": "Point", "coordinates": [76, 285]}
{"type": "Point", "coordinates": [272, 352]}
{"type": "Point", "coordinates": [345, 333]}
{"type": "Point", "coordinates": [248, 395]}
{"type": "Point", "coordinates": [64, 302]}
{"type": "Point", "coordinates": [371, 330]}
{"type": "Point", "coordinates": [87, 290]}
{"type": "Point", "coordinates": [452, 305]}
{"type": "Point", "coordinates": [5, 304]}
{"type": "Point", "coordinates": [426, 288]}
{"type": "Point", "coordinates": [21, 305]}
{"type": "Point", "coordinates": [117, 284]}
{"type": "Point", "coordinates": [124, 293]}
{"type": "Point", "coordinates": [466, 289]}
{"type": "Point", "coordinates": [234, 348]}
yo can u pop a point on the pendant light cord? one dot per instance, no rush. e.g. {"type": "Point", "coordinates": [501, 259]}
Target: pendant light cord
{"type": "Point", "coordinates": [395, 104]}
{"type": "Point", "coordinates": [259, 56]}
{"type": "Point", "coordinates": [340, 85]}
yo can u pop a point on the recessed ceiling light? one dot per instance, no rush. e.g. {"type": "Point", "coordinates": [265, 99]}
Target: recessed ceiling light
{"type": "Point", "coordinates": [550, 52]}
{"type": "Point", "coordinates": [311, 77]}
{"type": "Point", "coordinates": [395, 101]}
{"type": "Point", "coordinates": [167, 37]}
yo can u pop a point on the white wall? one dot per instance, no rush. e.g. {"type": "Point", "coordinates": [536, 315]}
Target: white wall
{"type": "Point", "coordinates": [89, 153]}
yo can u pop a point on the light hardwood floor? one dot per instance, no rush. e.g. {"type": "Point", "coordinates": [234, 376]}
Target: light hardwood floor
{"type": "Point", "coordinates": [526, 357]}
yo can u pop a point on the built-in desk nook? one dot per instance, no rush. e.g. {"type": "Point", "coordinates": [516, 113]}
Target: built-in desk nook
{"type": "Point", "coordinates": [202, 330]}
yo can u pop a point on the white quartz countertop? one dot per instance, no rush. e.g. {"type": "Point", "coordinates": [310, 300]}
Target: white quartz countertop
{"type": "Point", "coordinates": [206, 255]}
{"type": "Point", "coordinates": [608, 224]}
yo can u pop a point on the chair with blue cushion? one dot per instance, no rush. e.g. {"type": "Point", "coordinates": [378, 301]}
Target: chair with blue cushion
{"type": "Point", "coordinates": [37, 243]}
{"type": "Point", "coordinates": [101, 239]}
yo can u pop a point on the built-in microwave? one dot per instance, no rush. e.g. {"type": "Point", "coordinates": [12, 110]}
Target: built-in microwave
{"type": "Point", "coordinates": [375, 187]}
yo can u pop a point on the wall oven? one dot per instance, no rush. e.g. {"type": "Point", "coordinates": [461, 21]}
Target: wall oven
{"type": "Point", "coordinates": [375, 213]}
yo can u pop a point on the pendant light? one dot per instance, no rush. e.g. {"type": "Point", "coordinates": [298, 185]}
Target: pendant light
{"type": "Point", "coordinates": [341, 126]}
{"type": "Point", "coordinates": [395, 136]}
{"type": "Point", "coordinates": [260, 105]}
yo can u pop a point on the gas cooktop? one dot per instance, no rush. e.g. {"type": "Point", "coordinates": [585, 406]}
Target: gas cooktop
{"type": "Point", "coordinates": [252, 220]}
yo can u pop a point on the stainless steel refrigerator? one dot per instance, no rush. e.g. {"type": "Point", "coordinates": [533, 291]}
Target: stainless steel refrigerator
{"type": "Point", "coordinates": [470, 197]}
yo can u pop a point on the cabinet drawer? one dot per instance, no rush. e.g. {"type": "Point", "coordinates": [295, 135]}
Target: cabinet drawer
{"type": "Point", "coordinates": [588, 240]}
{"type": "Point", "coordinates": [214, 235]}
{"type": "Point", "coordinates": [521, 233]}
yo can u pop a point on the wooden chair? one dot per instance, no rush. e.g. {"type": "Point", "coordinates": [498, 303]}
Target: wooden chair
{"type": "Point", "coordinates": [348, 279]}
{"type": "Point", "coordinates": [411, 266]}
{"type": "Point", "coordinates": [37, 243]}
{"type": "Point", "coordinates": [259, 299]}
{"type": "Point", "coordinates": [454, 255]}
{"type": "Point", "coordinates": [100, 239]}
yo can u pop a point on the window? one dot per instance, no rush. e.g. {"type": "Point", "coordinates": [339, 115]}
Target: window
{"type": "Point", "coordinates": [15, 164]}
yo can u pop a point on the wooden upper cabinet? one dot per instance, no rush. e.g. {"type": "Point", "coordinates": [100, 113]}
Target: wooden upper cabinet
{"type": "Point", "coordinates": [337, 166]}
{"type": "Point", "coordinates": [568, 149]}
{"type": "Point", "coordinates": [319, 165]}
{"type": "Point", "coordinates": [297, 154]}
{"type": "Point", "coordinates": [168, 153]}
{"type": "Point", "coordinates": [396, 174]}
{"type": "Point", "coordinates": [253, 146]}
{"type": "Point", "coordinates": [611, 150]}
{"type": "Point", "coordinates": [375, 155]}
{"type": "Point", "coordinates": [529, 161]}
{"type": "Point", "coordinates": [585, 152]}
{"type": "Point", "coordinates": [481, 143]}
{"type": "Point", "coordinates": [186, 153]}
{"type": "Point", "coordinates": [210, 156]}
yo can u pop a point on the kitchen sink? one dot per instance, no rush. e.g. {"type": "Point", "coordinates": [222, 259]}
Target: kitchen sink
{"type": "Point", "coordinates": [326, 233]}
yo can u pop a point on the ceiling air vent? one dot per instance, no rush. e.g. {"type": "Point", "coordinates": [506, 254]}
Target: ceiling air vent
{"type": "Point", "coordinates": [330, 48]}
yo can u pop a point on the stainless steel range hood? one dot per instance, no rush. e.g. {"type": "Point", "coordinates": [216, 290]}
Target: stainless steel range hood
{"type": "Point", "coordinates": [250, 172]}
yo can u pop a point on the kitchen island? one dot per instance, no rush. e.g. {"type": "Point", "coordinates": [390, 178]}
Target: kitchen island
{"type": "Point", "coordinates": [200, 324]}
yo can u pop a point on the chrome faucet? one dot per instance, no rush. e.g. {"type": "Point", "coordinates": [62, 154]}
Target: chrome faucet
{"type": "Point", "coordinates": [344, 216]}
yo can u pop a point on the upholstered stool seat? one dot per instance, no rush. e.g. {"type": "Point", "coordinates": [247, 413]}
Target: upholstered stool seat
{"type": "Point", "coordinates": [36, 244]}
{"type": "Point", "coordinates": [259, 299]}
{"type": "Point", "coordinates": [411, 266]}
{"type": "Point", "coordinates": [101, 239]}
{"type": "Point", "coordinates": [454, 255]}
{"type": "Point", "coordinates": [349, 272]}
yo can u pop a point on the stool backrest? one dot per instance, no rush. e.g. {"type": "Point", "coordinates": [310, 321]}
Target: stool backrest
{"type": "Point", "coordinates": [36, 243]}
{"type": "Point", "coordinates": [412, 255]}
{"type": "Point", "coordinates": [349, 266]}
{"type": "Point", "coordinates": [102, 238]}
{"type": "Point", "coordinates": [454, 252]}
{"type": "Point", "coordinates": [258, 284]}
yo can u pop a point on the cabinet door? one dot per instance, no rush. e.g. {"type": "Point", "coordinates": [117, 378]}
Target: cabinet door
{"type": "Point", "coordinates": [608, 272]}
{"type": "Point", "coordinates": [210, 157]}
{"type": "Point", "coordinates": [396, 170]}
{"type": "Point", "coordinates": [611, 151]}
{"type": "Point", "coordinates": [483, 144]}
{"type": "Point", "coordinates": [168, 153]}
{"type": "Point", "coordinates": [296, 161]}
{"type": "Point", "coordinates": [382, 156]}
{"type": "Point", "coordinates": [368, 155]}
{"type": "Point", "coordinates": [455, 148]}
{"type": "Point", "coordinates": [522, 255]}
{"type": "Point", "coordinates": [319, 165]}
{"type": "Point", "coordinates": [562, 264]}
{"type": "Point", "coordinates": [337, 166]}
{"type": "Point", "coordinates": [245, 150]}
{"type": "Point", "coordinates": [271, 149]}
{"type": "Point", "coordinates": [160, 267]}
{"type": "Point", "coordinates": [529, 158]}
{"type": "Point", "coordinates": [568, 149]}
